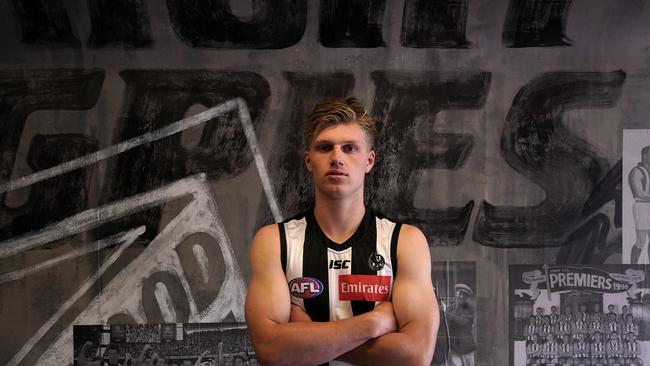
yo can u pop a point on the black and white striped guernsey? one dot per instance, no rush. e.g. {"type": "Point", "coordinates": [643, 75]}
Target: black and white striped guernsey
{"type": "Point", "coordinates": [332, 281]}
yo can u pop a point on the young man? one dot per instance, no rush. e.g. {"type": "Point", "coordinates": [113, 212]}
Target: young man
{"type": "Point", "coordinates": [639, 180]}
{"type": "Point", "coordinates": [534, 351]}
{"type": "Point", "coordinates": [338, 283]}
{"type": "Point", "coordinates": [460, 317]}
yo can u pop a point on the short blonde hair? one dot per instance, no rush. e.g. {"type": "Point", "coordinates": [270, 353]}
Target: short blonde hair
{"type": "Point", "coordinates": [331, 112]}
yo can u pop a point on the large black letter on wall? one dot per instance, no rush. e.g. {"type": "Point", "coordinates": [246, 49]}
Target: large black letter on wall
{"type": "Point", "coordinates": [405, 108]}
{"type": "Point", "coordinates": [274, 23]}
{"type": "Point", "coordinates": [24, 92]}
{"type": "Point", "coordinates": [346, 23]}
{"type": "Point", "coordinates": [434, 24]}
{"type": "Point", "coordinates": [536, 23]}
{"type": "Point", "coordinates": [45, 22]}
{"type": "Point", "coordinates": [119, 22]}
{"type": "Point", "coordinates": [156, 98]}
{"type": "Point", "coordinates": [538, 146]}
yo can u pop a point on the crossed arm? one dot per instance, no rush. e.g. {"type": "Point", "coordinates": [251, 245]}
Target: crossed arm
{"type": "Point", "coordinates": [401, 331]}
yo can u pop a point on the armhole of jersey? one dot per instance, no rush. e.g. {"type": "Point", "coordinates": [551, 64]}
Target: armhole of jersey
{"type": "Point", "coordinates": [393, 247]}
{"type": "Point", "coordinates": [283, 248]}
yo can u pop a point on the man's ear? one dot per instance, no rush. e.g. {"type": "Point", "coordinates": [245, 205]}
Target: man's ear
{"type": "Point", "coordinates": [307, 161]}
{"type": "Point", "coordinates": [371, 161]}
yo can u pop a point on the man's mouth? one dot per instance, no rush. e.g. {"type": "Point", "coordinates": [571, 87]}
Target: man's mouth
{"type": "Point", "coordinates": [336, 173]}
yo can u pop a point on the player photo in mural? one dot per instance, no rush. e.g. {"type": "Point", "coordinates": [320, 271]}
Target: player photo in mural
{"type": "Point", "coordinates": [636, 196]}
{"type": "Point", "coordinates": [455, 284]}
{"type": "Point", "coordinates": [579, 315]}
{"type": "Point", "coordinates": [205, 344]}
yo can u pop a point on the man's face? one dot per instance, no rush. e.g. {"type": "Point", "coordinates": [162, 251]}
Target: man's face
{"type": "Point", "coordinates": [645, 156]}
{"type": "Point", "coordinates": [462, 295]}
{"type": "Point", "coordinates": [624, 309]}
{"type": "Point", "coordinates": [610, 308]}
{"type": "Point", "coordinates": [339, 158]}
{"type": "Point", "coordinates": [540, 311]}
{"type": "Point", "coordinates": [553, 309]}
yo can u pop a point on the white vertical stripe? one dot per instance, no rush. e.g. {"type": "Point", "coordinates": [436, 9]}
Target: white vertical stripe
{"type": "Point", "coordinates": [249, 132]}
{"type": "Point", "coordinates": [295, 234]}
{"type": "Point", "coordinates": [384, 234]}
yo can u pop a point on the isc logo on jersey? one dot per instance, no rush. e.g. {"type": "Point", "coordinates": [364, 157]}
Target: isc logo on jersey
{"type": "Point", "coordinates": [305, 287]}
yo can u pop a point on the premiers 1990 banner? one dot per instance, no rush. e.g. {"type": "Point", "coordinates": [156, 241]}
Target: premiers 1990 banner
{"type": "Point", "coordinates": [592, 315]}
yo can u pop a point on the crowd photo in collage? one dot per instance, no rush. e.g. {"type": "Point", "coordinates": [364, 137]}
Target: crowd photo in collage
{"type": "Point", "coordinates": [582, 334]}
{"type": "Point", "coordinates": [205, 344]}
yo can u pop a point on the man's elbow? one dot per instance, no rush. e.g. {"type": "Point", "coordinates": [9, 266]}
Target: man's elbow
{"type": "Point", "coordinates": [421, 353]}
{"type": "Point", "coordinates": [269, 356]}
{"type": "Point", "coordinates": [419, 357]}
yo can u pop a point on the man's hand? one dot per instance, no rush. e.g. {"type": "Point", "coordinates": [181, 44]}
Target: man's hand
{"type": "Point", "coordinates": [386, 322]}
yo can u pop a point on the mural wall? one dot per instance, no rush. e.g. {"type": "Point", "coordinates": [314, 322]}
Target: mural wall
{"type": "Point", "coordinates": [143, 142]}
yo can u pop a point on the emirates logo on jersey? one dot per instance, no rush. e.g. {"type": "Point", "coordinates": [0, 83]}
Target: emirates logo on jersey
{"type": "Point", "coordinates": [364, 288]}
{"type": "Point", "coordinates": [305, 287]}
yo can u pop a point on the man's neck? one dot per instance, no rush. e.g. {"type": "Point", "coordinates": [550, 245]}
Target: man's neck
{"type": "Point", "coordinates": [339, 219]}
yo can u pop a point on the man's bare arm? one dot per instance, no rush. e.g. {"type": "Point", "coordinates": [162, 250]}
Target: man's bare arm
{"type": "Point", "coordinates": [635, 178]}
{"type": "Point", "coordinates": [268, 307]}
{"type": "Point", "coordinates": [415, 306]}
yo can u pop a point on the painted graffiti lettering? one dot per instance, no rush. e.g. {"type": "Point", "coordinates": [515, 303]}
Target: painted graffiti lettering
{"type": "Point", "coordinates": [351, 23]}
{"type": "Point", "coordinates": [535, 143]}
{"type": "Point", "coordinates": [24, 92]}
{"type": "Point", "coordinates": [156, 98]}
{"type": "Point", "coordinates": [282, 24]}
{"type": "Point", "coordinates": [273, 24]}
{"type": "Point", "coordinates": [406, 106]}
{"type": "Point", "coordinates": [536, 23]}
{"type": "Point", "coordinates": [119, 23]}
{"type": "Point", "coordinates": [434, 24]}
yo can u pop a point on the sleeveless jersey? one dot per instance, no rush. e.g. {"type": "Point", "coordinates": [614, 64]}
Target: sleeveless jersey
{"type": "Point", "coordinates": [332, 281]}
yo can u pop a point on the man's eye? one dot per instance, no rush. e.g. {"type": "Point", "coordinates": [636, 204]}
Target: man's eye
{"type": "Point", "coordinates": [323, 148]}
{"type": "Point", "coordinates": [350, 148]}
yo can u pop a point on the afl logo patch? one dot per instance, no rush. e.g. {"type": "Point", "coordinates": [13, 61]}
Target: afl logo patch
{"type": "Point", "coordinates": [376, 261]}
{"type": "Point", "coordinates": [305, 287]}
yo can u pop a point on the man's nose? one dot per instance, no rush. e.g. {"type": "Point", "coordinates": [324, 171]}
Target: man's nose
{"type": "Point", "coordinates": [335, 155]}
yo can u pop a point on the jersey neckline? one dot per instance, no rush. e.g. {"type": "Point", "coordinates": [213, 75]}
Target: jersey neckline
{"type": "Point", "coordinates": [358, 236]}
